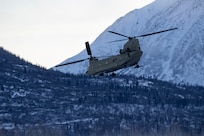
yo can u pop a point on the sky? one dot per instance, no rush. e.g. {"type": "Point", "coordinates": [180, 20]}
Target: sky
{"type": "Point", "coordinates": [47, 32]}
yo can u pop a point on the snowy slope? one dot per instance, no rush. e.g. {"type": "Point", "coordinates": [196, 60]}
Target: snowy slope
{"type": "Point", "coordinates": [172, 56]}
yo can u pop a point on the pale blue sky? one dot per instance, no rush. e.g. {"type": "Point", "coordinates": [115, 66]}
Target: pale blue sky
{"type": "Point", "coordinates": [46, 32]}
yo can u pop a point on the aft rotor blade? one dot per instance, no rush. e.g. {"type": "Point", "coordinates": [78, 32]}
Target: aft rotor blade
{"type": "Point", "coordinates": [156, 32]}
{"type": "Point", "coordinates": [118, 40]}
{"type": "Point", "coordinates": [71, 62]}
{"type": "Point", "coordinates": [119, 34]}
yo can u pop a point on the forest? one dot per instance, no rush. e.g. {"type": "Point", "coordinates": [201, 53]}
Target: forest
{"type": "Point", "coordinates": [37, 101]}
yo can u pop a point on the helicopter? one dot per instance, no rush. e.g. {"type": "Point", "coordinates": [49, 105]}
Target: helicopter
{"type": "Point", "coordinates": [128, 56]}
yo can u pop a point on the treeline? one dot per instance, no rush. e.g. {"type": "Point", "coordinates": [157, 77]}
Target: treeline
{"type": "Point", "coordinates": [40, 130]}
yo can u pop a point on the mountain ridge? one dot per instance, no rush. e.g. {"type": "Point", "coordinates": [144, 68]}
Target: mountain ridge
{"type": "Point", "coordinates": [175, 56]}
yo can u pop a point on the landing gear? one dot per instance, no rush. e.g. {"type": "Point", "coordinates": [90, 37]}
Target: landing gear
{"type": "Point", "coordinates": [113, 74]}
{"type": "Point", "coordinates": [107, 74]}
{"type": "Point", "coordinates": [101, 74]}
{"type": "Point", "coordinates": [137, 66]}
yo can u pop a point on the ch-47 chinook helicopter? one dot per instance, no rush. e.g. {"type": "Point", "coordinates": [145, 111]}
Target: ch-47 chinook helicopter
{"type": "Point", "coordinates": [128, 56]}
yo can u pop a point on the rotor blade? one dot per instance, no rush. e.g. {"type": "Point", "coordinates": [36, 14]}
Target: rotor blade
{"type": "Point", "coordinates": [88, 49]}
{"type": "Point", "coordinates": [119, 34]}
{"type": "Point", "coordinates": [71, 62]}
{"type": "Point", "coordinates": [117, 40]}
{"type": "Point", "coordinates": [156, 32]}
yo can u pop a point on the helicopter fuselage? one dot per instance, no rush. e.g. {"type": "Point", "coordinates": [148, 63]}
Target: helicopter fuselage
{"type": "Point", "coordinates": [129, 56]}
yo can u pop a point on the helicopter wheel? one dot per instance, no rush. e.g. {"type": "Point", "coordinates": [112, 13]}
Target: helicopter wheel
{"type": "Point", "coordinates": [113, 74]}
{"type": "Point", "coordinates": [101, 74]}
{"type": "Point", "coordinates": [137, 66]}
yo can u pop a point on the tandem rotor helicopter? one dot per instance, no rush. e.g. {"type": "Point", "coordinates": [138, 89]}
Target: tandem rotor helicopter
{"type": "Point", "coordinates": [128, 56]}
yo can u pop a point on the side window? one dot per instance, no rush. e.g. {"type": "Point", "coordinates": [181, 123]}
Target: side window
{"type": "Point", "coordinates": [128, 54]}
{"type": "Point", "coordinates": [114, 60]}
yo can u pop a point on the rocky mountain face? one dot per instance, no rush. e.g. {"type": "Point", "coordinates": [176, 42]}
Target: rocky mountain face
{"type": "Point", "coordinates": [176, 56]}
{"type": "Point", "coordinates": [36, 101]}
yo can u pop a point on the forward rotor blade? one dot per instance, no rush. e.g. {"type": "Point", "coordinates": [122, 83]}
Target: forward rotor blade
{"type": "Point", "coordinates": [88, 49]}
{"type": "Point", "coordinates": [156, 32]}
{"type": "Point", "coordinates": [71, 62]}
{"type": "Point", "coordinates": [117, 40]}
{"type": "Point", "coordinates": [119, 34]}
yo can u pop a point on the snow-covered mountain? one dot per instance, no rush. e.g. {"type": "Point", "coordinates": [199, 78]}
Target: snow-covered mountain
{"type": "Point", "coordinates": [176, 56]}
